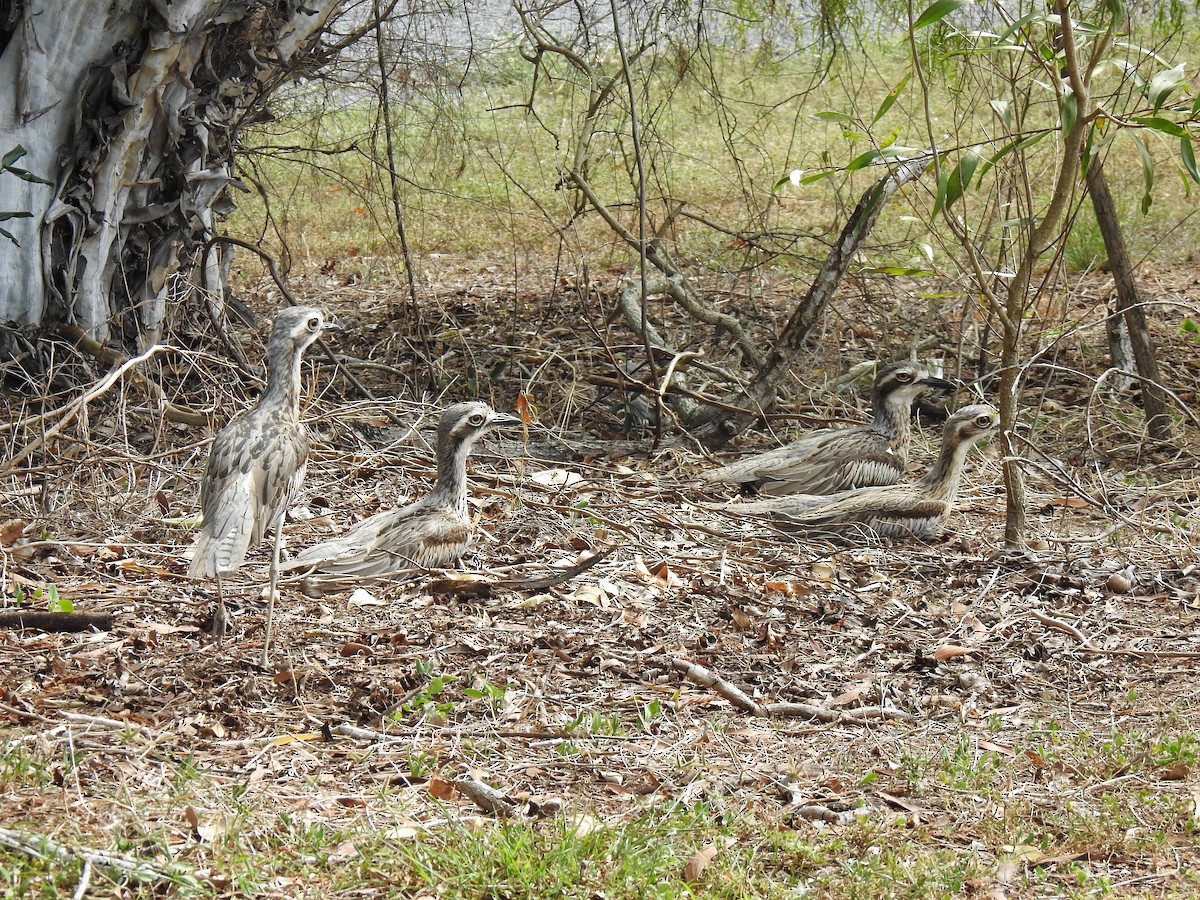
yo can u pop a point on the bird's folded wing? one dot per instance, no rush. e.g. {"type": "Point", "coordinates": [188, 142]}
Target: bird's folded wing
{"type": "Point", "coordinates": [752, 468]}
{"type": "Point", "coordinates": [865, 463]}
{"type": "Point", "coordinates": [899, 506]}
{"type": "Point", "coordinates": [414, 536]}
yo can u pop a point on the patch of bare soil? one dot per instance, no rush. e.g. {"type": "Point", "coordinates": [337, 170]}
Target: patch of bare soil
{"type": "Point", "coordinates": [577, 691]}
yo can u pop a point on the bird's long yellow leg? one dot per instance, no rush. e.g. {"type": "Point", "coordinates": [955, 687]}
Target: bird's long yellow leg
{"type": "Point", "coordinates": [272, 589]}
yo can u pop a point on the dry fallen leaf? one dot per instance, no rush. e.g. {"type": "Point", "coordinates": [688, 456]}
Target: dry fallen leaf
{"type": "Point", "coordinates": [1069, 502]}
{"type": "Point", "coordinates": [1178, 772]}
{"type": "Point", "coordinates": [441, 789]}
{"type": "Point", "coordinates": [557, 478]}
{"type": "Point", "coordinates": [823, 571]}
{"type": "Point", "coordinates": [11, 530]}
{"type": "Point", "coordinates": [698, 863]}
{"type": "Point", "coordinates": [950, 651]}
{"type": "Point", "coordinates": [364, 598]}
{"type": "Point", "coordinates": [193, 820]}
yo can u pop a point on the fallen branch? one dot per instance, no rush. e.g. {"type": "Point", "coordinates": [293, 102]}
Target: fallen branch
{"type": "Point", "coordinates": [55, 621]}
{"type": "Point", "coordinates": [486, 797]}
{"type": "Point", "coordinates": [740, 699]}
{"type": "Point", "coordinates": [76, 407]}
{"type": "Point", "coordinates": [106, 354]}
{"type": "Point", "coordinates": [1059, 625]}
{"type": "Point", "coordinates": [43, 848]}
{"type": "Point", "coordinates": [542, 582]}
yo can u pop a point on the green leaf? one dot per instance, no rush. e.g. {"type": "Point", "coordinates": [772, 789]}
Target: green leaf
{"type": "Point", "coordinates": [832, 115]}
{"type": "Point", "coordinates": [1003, 109]}
{"type": "Point", "coordinates": [1069, 113]}
{"type": "Point", "coordinates": [890, 100]}
{"type": "Point", "coordinates": [1019, 144]}
{"type": "Point", "coordinates": [954, 182]}
{"type": "Point", "coordinates": [816, 176]}
{"type": "Point", "coordinates": [936, 12]}
{"type": "Point", "coordinates": [890, 139]}
{"type": "Point", "coordinates": [1166, 126]}
{"type": "Point", "coordinates": [12, 156]}
{"type": "Point", "coordinates": [26, 175]}
{"type": "Point", "coordinates": [1164, 83]}
{"type": "Point", "coordinates": [896, 270]}
{"type": "Point", "coordinates": [863, 160]}
{"type": "Point", "coordinates": [1021, 23]}
{"type": "Point", "coordinates": [5, 216]}
{"type": "Point", "coordinates": [960, 178]}
{"type": "Point", "coordinates": [1188, 153]}
{"type": "Point", "coordinates": [1147, 173]}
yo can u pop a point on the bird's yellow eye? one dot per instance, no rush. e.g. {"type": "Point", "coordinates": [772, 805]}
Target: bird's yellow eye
{"type": "Point", "coordinates": [984, 421]}
{"type": "Point", "coordinates": [314, 323]}
{"type": "Point", "coordinates": [904, 376]}
{"type": "Point", "coordinates": [476, 420]}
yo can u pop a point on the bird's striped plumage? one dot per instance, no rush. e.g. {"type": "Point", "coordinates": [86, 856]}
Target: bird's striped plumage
{"type": "Point", "coordinates": [893, 511]}
{"type": "Point", "coordinates": [257, 461]}
{"type": "Point", "coordinates": [435, 531]}
{"type": "Point", "coordinates": [832, 460]}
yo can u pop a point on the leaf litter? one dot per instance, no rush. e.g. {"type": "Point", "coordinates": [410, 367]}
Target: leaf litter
{"type": "Point", "coordinates": [703, 657]}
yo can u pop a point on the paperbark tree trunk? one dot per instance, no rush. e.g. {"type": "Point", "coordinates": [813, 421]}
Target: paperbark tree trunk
{"type": "Point", "coordinates": [132, 108]}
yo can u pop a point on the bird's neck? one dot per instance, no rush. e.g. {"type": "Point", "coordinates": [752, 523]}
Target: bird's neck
{"type": "Point", "coordinates": [451, 487]}
{"type": "Point", "coordinates": [891, 417]}
{"type": "Point", "coordinates": [941, 482]}
{"type": "Point", "coordinates": [283, 385]}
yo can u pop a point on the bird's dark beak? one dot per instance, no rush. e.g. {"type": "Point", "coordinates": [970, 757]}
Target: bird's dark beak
{"type": "Point", "coordinates": [939, 384]}
{"type": "Point", "coordinates": [333, 326]}
{"type": "Point", "coordinates": [503, 420]}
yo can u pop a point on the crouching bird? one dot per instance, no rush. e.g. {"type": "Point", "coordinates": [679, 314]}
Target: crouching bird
{"type": "Point", "coordinates": [894, 511]}
{"type": "Point", "coordinates": [256, 464]}
{"type": "Point", "coordinates": [840, 459]}
{"type": "Point", "coordinates": [430, 533]}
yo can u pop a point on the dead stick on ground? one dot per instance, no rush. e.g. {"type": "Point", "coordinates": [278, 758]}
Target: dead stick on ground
{"type": "Point", "coordinates": [41, 847]}
{"type": "Point", "coordinates": [54, 621]}
{"type": "Point", "coordinates": [741, 700]}
{"type": "Point", "coordinates": [1060, 625]}
{"type": "Point", "coordinates": [486, 797]}
{"type": "Point", "coordinates": [542, 582]}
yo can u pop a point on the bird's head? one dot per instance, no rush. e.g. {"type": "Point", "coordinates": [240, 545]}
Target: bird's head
{"type": "Point", "coordinates": [462, 423]}
{"type": "Point", "coordinates": [909, 380]}
{"type": "Point", "coordinates": [294, 330]}
{"type": "Point", "coordinates": [970, 424]}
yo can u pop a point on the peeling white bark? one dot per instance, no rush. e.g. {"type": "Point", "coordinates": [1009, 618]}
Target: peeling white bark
{"type": "Point", "coordinates": [128, 106]}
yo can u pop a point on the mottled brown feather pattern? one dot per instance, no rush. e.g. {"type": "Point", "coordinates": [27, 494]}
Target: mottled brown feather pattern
{"type": "Point", "coordinates": [258, 459]}
{"type": "Point", "coordinates": [832, 460]}
{"type": "Point", "coordinates": [431, 533]}
{"type": "Point", "coordinates": [891, 511]}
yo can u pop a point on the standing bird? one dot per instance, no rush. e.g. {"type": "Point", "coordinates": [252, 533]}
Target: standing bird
{"type": "Point", "coordinates": [894, 511]}
{"type": "Point", "coordinates": [430, 533]}
{"type": "Point", "coordinates": [256, 464]}
{"type": "Point", "coordinates": [841, 459]}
